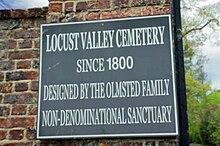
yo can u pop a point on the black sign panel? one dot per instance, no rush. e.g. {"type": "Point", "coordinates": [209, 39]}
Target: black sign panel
{"type": "Point", "coordinates": [107, 78]}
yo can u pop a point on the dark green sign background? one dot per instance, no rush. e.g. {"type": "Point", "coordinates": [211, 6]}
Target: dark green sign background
{"type": "Point", "coordinates": [107, 78]}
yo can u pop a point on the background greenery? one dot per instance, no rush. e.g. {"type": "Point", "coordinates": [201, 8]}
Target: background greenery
{"type": "Point", "coordinates": [203, 102]}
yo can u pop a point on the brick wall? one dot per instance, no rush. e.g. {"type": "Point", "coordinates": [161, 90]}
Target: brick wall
{"type": "Point", "coordinates": [19, 61]}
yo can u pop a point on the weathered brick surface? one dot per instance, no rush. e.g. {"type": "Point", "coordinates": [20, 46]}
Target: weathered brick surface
{"type": "Point", "coordinates": [24, 33]}
{"type": "Point", "coordinates": [32, 110]}
{"type": "Point", "coordinates": [3, 134]}
{"type": "Point", "coordinates": [69, 6]}
{"type": "Point", "coordinates": [120, 3]}
{"type": "Point", "coordinates": [31, 134]}
{"type": "Point", "coordinates": [16, 135]}
{"type": "Point", "coordinates": [7, 65]}
{"type": "Point", "coordinates": [18, 144]}
{"type": "Point", "coordinates": [55, 7]}
{"type": "Point", "coordinates": [93, 16]}
{"type": "Point", "coordinates": [81, 6]}
{"type": "Point", "coordinates": [4, 110]}
{"type": "Point", "coordinates": [19, 64]}
{"type": "Point", "coordinates": [24, 64]}
{"type": "Point", "coordinates": [19, 87]}
{"type": "Point", "coordinates": [22, 98]}
{"type": "Point", "coordinates": [34, 86]}
{"type": "Point", "coordinates": [27, 54]}
{"type": "Point", "coordinates": [17, 122]}
{"type": "Point", "coordinates": [5, 87]}
{"type": "Point", "coordinates": [27, 43]}
{"type": "Point", "coordinates": [18, 109]}
{"type": "Point", "coordinates": [1, 76]}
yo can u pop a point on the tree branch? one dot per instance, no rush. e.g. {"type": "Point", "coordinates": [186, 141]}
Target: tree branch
{"type": "Point", "coordinates": [200, 28]}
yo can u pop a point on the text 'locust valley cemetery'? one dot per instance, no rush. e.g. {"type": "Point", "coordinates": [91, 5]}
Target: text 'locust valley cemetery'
{"type": "Point", "coordinates": [105, 39]}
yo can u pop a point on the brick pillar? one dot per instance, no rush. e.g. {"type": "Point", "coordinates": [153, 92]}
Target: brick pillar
{"type": "Point", "coordinates": [19, 59]}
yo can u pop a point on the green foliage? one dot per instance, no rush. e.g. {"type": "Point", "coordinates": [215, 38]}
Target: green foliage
{"type": "Point", "coordinates": [210, 125]}
{"type": "Point", "coordinates": [214, 98]}
{"type": "Point", "coordinates": [203, 108]}
{"type": "Point", "coordinates": [196, 92]}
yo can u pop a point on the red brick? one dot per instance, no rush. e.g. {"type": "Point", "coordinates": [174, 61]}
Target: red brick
{"type": "Point", "coordinates": [37, 12]}
{"type": "Point", "coordinates": [1, 97]}
{"type": "Point", "coordinates": [22, 98]}
{"type": "Point", "coordinates": [24, 33]}
{"type": "Point", "coordinates": [27, 54]}
{"type": "Point", "coordinates": [138, 2]}
{"type": "Point", "coordinates": [21, 122]}
{"type": "Point", "coordinates": [3, 45]}
{"type": "Point", "coordinates": [168, 143]}
{"type": "Point", "coordinates": [10, 99]}
{"type": "Point", "coordinates": [4, 110]}
{"type": "Point", "coordinates": [158, 12]}
{"type": "Point", "coordinates": [9, 24]}
{"type": "Point", "coordinates": [26, 98]}
{"type": "Point", "coordinates": [19, 144]}
{"type": "Point", "coordinates": [5, 87]}
{"type": "Point", "coordinates": [155, 2]}
{"type": "Point", "coordinates": [16, 134]}
{"type": "Point", "coordinates": [3, 134]}
{"type": "Point", "coordinates": [27, 43]}
{"type": "Point", "coordinates": [69, 6]}
{"type": "Point", "coordinates": [6, 123]}
{"type": "Point", "coordinates": [24, 122]}
{"type": "Point", "coordinates": [7, 65]}
{"type": "Point", "coordinates": [31, 134]}
{"type": "Point", "coordinates": [120, 3]}
{"type": "Point", "coordinates": [54, 17]}
{"type": "Point", "coordinates": [100, 4]}
{"type": "Point", "coordinates": [116, 14]}
{"type": "Point", "coordinates": [167, 1]}
{"type": "Point", "coordinates": [1, 76]}
{"type": "Point", "coordinates": [18, 13]}
{"type": "Point", "coordinates": [167, 9]}
{"type": "Point", "coordinates": [93, 16]}
{"type": "Point", "coordinates": [3, 34]}
{"type": "Point", "coordinates": [151, 143]}
{"type": "Point", "coordinates": [15, 76]}
{"type": "Point", "coordinates": [37, 43]}
{"type": "Point", "coordinates": [3, 55]}
{"type": "Point", "coordinates": [147, 2]}
{"type": "Point", "coordinates": [147, 11]}
{"type": "Point", "coordinates": [31, 75]}
{"type": "Point", "coordinates": [79, 17]}
{"type": "Point", "coordinates": [55, 7]}
{"type": "Point", "coordinates": [19, 109]}
{"type": "Point", "coordinates": [5, 14]}
{"type": "Point", "coordinates": [35, 64]}
{"type": "Point", "coordinates": [34, 86]}
{"type": "Point", "coordinates": [27, 23]}
{"type": "Point", "coordinates": [161, 10]}
{"type": "Point", "coordinates": [81, 6]}
{"type": "Point", "coordinates": [136, 11]}
{"type": "Point", "coordinates": [24, 65]}
{"type": "Point", "coordinates": [12, 44]}
{"type": "Point", "coordinates": [32, 110]}
{"type": "Point", "coordinates": [19, 87]}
